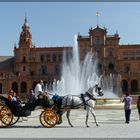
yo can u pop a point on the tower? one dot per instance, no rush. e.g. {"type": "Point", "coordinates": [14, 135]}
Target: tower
{"type": "Point", "coordinates": [22, 53]}
{"type": "Point", "coordinates": [25, 39]}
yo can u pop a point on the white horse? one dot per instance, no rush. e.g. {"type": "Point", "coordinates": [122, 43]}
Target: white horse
{"type": "Point", "coordinates": [86, 100]}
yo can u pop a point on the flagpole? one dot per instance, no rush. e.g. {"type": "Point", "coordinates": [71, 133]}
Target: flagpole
{"type": "Point", "coordinates": [97, 15]}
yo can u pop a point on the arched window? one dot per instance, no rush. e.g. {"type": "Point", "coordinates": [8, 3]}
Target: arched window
{"type": "Point", "coordinates": [42, 58]}
{"type": "Point", "coordinates": [43, 70]}
{"type": "Point", "coordinates": [23, 87]}
{"type": "Point", "coordinates": [15, 87]}
{"type": "Point", "coordinates": [126, 69]}
{"type": "Point", "coordinates": [48, 57]}
{"type": "Point", "coordinates": [111, 67]}
{"type": "Point", "coordinates": [124, 86]}
{"type": "Point", "coordinates": [134, 85]}
{"type": "Point", "coordinates": [24, 68]}
{"type": "Point", "coordinates": [0, 88]}
{"type": "Point", "coordinates": [24, 59]}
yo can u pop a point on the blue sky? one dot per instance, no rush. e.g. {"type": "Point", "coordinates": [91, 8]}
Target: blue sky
{"type": "Point", "coordinates": [56, 23]}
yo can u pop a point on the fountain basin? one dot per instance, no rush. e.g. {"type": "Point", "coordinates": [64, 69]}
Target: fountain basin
{"type": "Point", "coordinates": [101, 101]}
{"type": "Point", "coordinates": [109, 103]}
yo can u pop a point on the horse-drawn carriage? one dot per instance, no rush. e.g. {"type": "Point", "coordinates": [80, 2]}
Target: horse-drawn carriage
{"type": "Point", "coordinates": [10, 112]}
{"type": "Point", "coordinates": [51, 115]}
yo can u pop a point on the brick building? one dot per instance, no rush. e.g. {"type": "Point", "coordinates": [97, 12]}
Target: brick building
{"type": "Point", "coordinates": [123, 60]}
{"type": "Point", "coordinates": [22, 71]}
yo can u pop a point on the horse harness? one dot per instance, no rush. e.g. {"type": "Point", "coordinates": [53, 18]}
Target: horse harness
{"type": "Point", "coordinates": [91, 97]}
{"type": "Point", "coordinates": [84, 101]}
{"type": "Point", "coordinates": [72, 106]}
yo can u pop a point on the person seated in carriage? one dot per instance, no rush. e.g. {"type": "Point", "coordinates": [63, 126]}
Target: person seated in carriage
{"type": "Point", "coordinates": [12, 96]}
{"type": "Point", "coordinates": [32, 98]}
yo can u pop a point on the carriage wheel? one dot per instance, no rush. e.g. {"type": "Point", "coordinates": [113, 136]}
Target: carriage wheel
{"type": "Point", "coordinates": [51, 117]}
{"type": "Point", "coordinates": [6, 116]}
{"type": "Point", "coordinates": [42, 120]}
{"type": "Point", "coordinates": [48, 118]}
{"type": "Point", "coordinates": [14, 120]}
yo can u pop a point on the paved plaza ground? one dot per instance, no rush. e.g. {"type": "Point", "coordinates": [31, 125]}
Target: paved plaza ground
{"type": "Point", "coordinates": [112, 125]}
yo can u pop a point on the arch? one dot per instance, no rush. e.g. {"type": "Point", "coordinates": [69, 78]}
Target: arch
{"type": "Point", "coordinates": [0, 88]}
{"type": "Point", "coordinates": [34, 84]}
{"type": "Point", "coordinates": [124, 86]}
{"type": "Point", "coordinates": [134, 85]}
{"type": "Point", "coordinates": [24, 59]}
{"type": "Point", "coordinates": [15, 87]}
{"type": "Point", "coordinates": [23, 87]}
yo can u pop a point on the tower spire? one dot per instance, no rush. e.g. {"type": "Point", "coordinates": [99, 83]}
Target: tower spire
{"type": "Point", "coordinates": [97, 15]}
{"type": "Point", "coordinates": [25, 17]}
{"type": "Point", "coordinates": [25, 21]}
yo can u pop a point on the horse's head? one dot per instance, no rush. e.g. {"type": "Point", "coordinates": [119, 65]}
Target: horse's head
{"type": "Point", "coordinates": [95, 91]}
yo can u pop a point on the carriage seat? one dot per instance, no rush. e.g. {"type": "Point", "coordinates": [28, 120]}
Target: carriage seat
{"type": "Point", "coordinates": [57, 101]}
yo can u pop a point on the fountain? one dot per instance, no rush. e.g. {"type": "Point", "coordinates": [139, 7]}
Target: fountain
{"type": "Point", "coordinates": [78, 76]}
{"type": "Point", "coordinates": [111, 86]}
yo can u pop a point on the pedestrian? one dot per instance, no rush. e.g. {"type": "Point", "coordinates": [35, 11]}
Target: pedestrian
{"type": "Point", "coordinates": [138, 106]}
{"type": "Point", "coordinates": [127, 107]}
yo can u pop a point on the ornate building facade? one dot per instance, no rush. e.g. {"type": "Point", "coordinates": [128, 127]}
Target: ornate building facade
{"type": "Point", "coordinates": [113, 58]}
{"type": "Point", "coordinates": [22, 71]}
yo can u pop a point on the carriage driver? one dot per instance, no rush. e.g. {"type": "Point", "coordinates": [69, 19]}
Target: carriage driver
{"type": "Point", "coordinates": [39, 90]}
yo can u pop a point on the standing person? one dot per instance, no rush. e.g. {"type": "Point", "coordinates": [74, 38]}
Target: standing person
{"type": "Point", "coordinates": [138, 106]}
{"type": "Point", "coordinates": [127, 107]}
